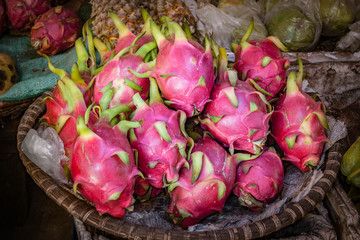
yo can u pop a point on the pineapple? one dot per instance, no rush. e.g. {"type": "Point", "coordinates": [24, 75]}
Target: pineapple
{"type": "Point", "coordinates": [130, 13]}
{"type": "Point", "coordinates": [176, 10]}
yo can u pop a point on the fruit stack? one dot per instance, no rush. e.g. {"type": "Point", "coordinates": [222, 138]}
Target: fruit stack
{"type": "Point", "coordinates": [53, 29]}
{"type": "Point", "coordinates": [163, 113]}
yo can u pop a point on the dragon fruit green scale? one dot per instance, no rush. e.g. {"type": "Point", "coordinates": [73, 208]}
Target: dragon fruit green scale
{"type": "Point", "coordinates": [299, 123]}
{"type": "Point", "coordinates": [184, 70]}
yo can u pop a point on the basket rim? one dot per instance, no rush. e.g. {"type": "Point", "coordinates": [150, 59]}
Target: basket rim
{"type": "Point", "coordinates": [120, 228]}
{"type": "Point", "coordinates": [14, 107]}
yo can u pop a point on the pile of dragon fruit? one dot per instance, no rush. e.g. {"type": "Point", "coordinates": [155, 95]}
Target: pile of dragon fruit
{"type": "Point", "coordinates": [52, 27]}
{"type": "Point", "coordinates": [162, 113]}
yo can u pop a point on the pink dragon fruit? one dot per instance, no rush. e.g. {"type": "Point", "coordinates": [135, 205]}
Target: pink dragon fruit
{"type": "Point", "coordinates": [3, 18]}
{"type": "Point", "coordinates": [261, 63]}
{"type": "Point", "coordinates": [160, 141]}
{"type": "Point", "coordinates": [298, 124]}
{"type": "Point", "coordinates": [125, 74]}
{"type": "Point", "coordinates": [102, 163]}
{"type": "Point", "coordinates": [238, 115]}
{"type": "Point", "coordinates": [259, 181]}
{"type": "Point", "coordinates": [184, 71]}
{"type": "Point", "coordinates": [63, 109]}
{"type": "Point", "coordinates": [203, 189]}
{"type": "Point", "coordinates": [55, 31]}
{"type": "Point", "coordinates": [22, 13]}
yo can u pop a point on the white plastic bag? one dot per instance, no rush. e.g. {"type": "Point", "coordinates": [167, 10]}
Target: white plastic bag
{"type": "Point", "coordinates": [45, 148]}
{"type": "Point", "coordinates": [225, 28]}
{"type": "Point", "coordinates": [351, 41]}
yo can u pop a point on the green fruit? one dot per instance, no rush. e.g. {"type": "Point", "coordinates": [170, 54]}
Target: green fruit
{"type": "Point", "coordinates": [336, 15]}
{"type": "Point", "coordinates": [350, 164]}
{"type": "Point", "coordinates": [293, 28]}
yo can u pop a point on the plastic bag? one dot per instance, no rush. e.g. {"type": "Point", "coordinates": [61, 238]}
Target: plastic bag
{"type": "Point", "coordinates": [45, 148]}
{"type": "Point", "coordinates": [296, 23]}
{"type": "Point", "coordinates": [225, 28]}
{"type": "Point", "coordinates": [351, 41]}
{"type": "Point", "coordinates": [336, 15]}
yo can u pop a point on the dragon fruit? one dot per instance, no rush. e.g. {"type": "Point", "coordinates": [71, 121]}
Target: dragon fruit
{"type": "Point", "coordinates": [184, 71]}
{"type": "Point", "coordinates": [55, 31]}
{"type": "Point", "coordinates": [203, 189]}
{"type": "Point", "coordinates": [125, 74]}
{"type": "Point", "coordinates": [298, 124]}
{"type": "Point", "coordinates": [22, 13]}
{"type": "Point", "coordinates": [160, 141]}
{"type": "Point", "coordinates": [259, 181]}
{"type": "Point", "coordinates": [238, 115]}
{"type": "Point", "coordinates": [3, 18]}
{"type": "Point", "coordinates": [102, 163]}
{"type": "Point", "coordinates": [261, 63]}
{"type": "Point", "coordinates": [63, 109]}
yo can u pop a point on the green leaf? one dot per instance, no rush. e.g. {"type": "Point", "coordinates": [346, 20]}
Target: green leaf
{"type": "Point", "coordinates": [140, 75]}
{"type": "Point", "coordinates": [290, 141]}
{"type": "Point", "coordinates": [266, 60]}
{"type": "Point", "coordinates": [132, 85]}
{"type": "Point", "coordinates": [253, 107]}
{"type": "Point", "coordinates": [197, 161]}
{"type": "Point", "coordinates": [114, 196]}
{"type": "Point", "coordinates": [215, 119]}
{"type": "Point", "coordinates": [152, 164]}
{"type": "Point", "coordinates": [124, 156]}
{"type": "Point", "coordinates": [161, 128]}
{"type": "Point", "coordinates": [246, 168]}
{"type": "Point", "coordinates": [221, 189]}
{"type": "Point", "coordinates": [248, 31]}
{"type": "Point", "coordinates": [230, 93]}
{"type": "Point", "coordinates": [201, 82]}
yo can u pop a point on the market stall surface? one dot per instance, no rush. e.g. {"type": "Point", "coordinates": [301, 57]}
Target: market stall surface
{"type": "Point", "coordinates": [26, 211]}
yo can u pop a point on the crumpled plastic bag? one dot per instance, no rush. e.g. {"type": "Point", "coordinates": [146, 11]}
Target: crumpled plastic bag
{"type": "Point", "coordinates": [45, 148]}
{"type": "Point", "coordinates": [297, 23]}
{"type": "Point", "coordinates": [351, 41]}
{"type": "Point", "coordinates": [230, 24]}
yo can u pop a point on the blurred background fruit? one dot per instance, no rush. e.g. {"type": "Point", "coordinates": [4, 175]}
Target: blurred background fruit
{"type": "Point", "coordinates": [55, 31]}
{"type": "Point", "coordinates": [22, 13]}
{"type": "Point", "coordinates": [8, 73]}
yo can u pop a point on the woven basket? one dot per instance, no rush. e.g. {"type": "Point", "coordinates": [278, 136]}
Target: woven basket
{"type": "Point", "coordinates": [119, 228]}
{"type": "Point", "coordinates": [14, 108]}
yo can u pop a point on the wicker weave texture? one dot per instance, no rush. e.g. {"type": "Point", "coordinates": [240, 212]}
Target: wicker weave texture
{"type": "Point", "coordinates": [119, 228]}
{"type": "Point", "coordinates": [14, 108]}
